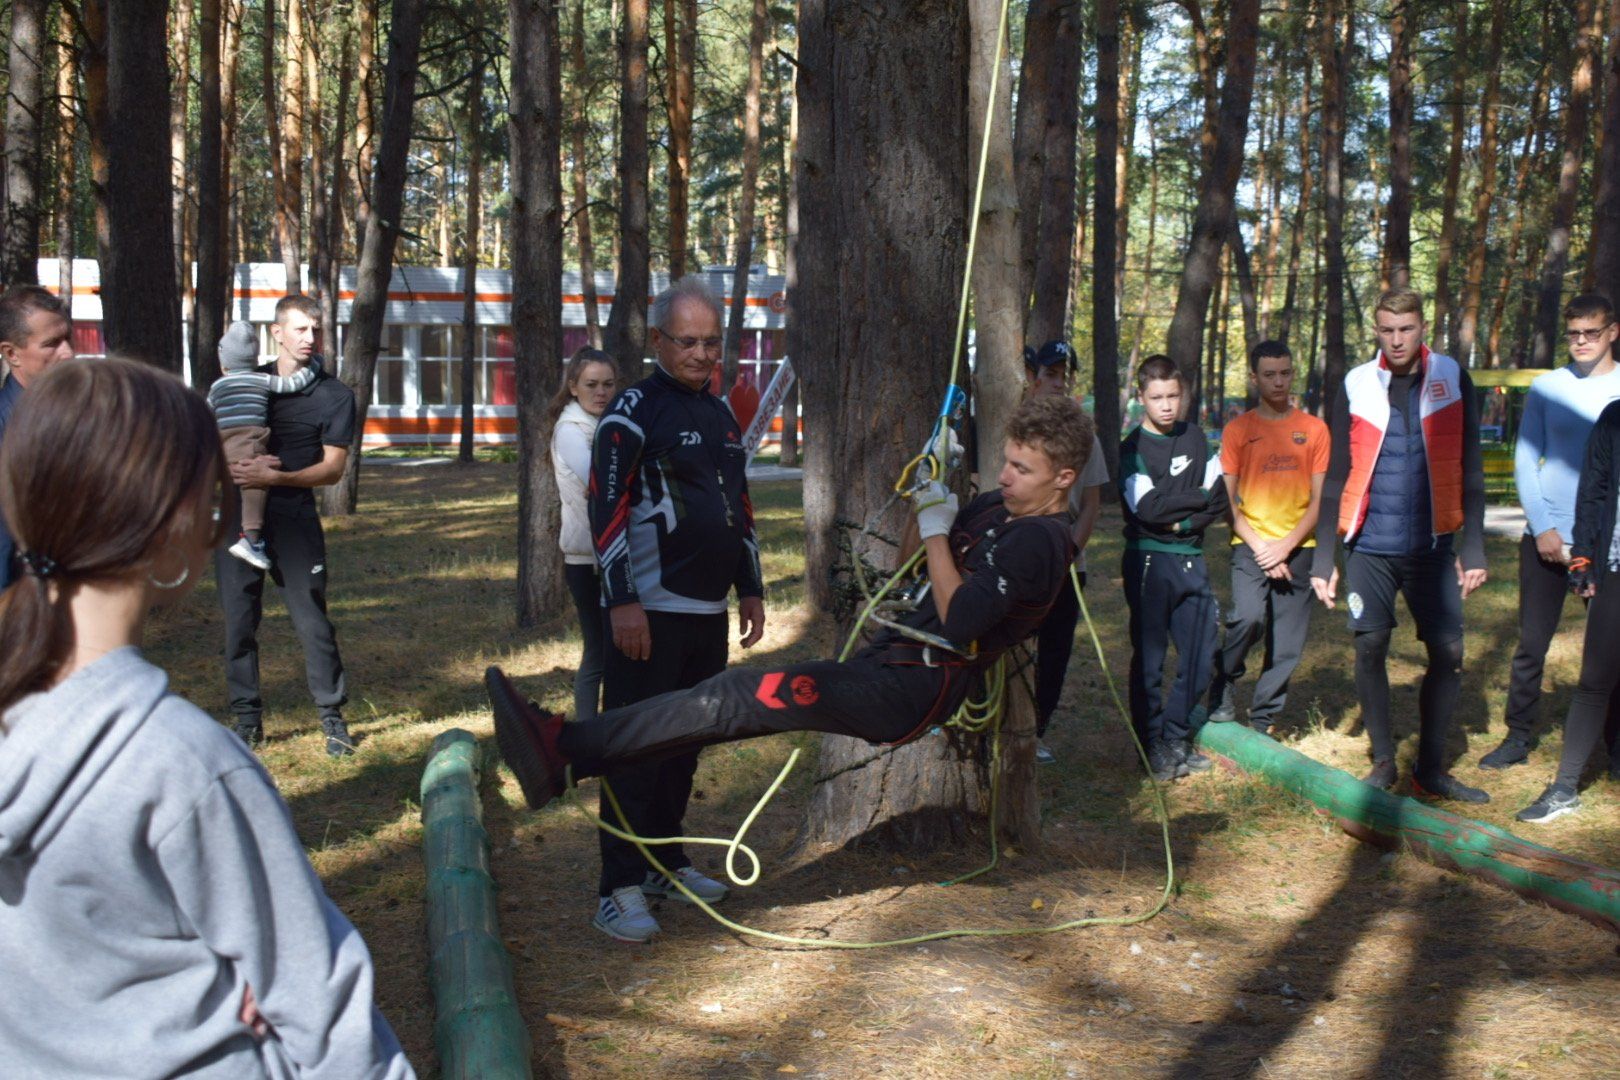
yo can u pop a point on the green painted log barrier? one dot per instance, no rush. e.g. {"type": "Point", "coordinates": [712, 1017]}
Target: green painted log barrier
{"type": "Point", "coordinates": [1457, 843]}
{"type": "Point", "coordinates": [478, 1030]}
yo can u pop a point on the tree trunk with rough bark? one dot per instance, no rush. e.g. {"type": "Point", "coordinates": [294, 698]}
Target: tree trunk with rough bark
{"type": "Point", "coordinates": [1577, 105]}
{"type": "Point", "coordinates": [626, 337]}
{"type": "Point", "coordinates": [1336, 19]}
{"type": "Point", "coordinates": [745, 209]}
{"type": "Point", "coordinates": [382, 232]}
{"type": "Point", "coordinates": [25, 100]}
{"type": "Point", "coordinates": [93, 64]}
{"type": "Point", "coordinates": [582, 195]}
{"type": "Point", "coordinates": [232, 12]}
{"type": "Point", "coordinates": [1397, 262]}
{"type": "Point", "coordinates": [1055, 224]}
{"type": "Point", "coordinates": [857, 181]}
{"type": "Point", "coordinates": [365, 119]}
{"type": "Point", "coordinates": [140, 308]}
{"type": "Point", "coordinates": [291, 216]}
{"type": "Point", "coordinates": [1605, 263]}
{"type": "Point", "coordinates": [1447, 248]}
{"type": "Point", "coordinates": [469, 257]}
{"type": "Point", "coordinates": [326, 219]}
{"type": "Point", "coordinates": [1104, 319]}
{"type": "Point", "coordinates": [680, 49]}
{"type": "Point", "coordinates": [1474, 276]}
{"type": "Point", "coordinates": [179, 114]}
{"type": "Point", "coordinates": [208, 322]}
{"type": "Point", "coordinates": [534, 124]}
{"type": "Point", "coordinates": [790, 268]}
{"type": "Point", "coordinates": [67, 124]}
{"type": "Point", "coordinates": [1214, 217]}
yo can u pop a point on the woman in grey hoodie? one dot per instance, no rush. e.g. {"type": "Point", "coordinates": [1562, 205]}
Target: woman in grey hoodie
{"type": "Point", "coordinates": [158, 916]}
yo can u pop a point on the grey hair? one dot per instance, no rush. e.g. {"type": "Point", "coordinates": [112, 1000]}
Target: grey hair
{"type": "Point", "coordinates": [690, 287]}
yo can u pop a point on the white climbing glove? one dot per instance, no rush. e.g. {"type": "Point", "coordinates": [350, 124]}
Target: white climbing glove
{"type": "Point", "coordinates": [935, 506]}
{"type": "Point", "coordinates": [946, 447]}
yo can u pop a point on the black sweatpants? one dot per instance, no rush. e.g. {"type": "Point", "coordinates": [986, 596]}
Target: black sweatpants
{"type": "Point", "coordinates": [1542, 589]}
{"type": "Point", "coordinates": [1591, 712]}
{"type": "Point", "coordinates": [1170, 600]}
{"type": "Point", "coordinates": [864, 697]}
{"type": "Point", "coordinates": [1269, 610]}
{"type": "Point", "coordinates": [297, 549]}
{"type": "Point", "coordinates": [686, 649]}
{"type": "Point", "coordinates": [1054, 644]}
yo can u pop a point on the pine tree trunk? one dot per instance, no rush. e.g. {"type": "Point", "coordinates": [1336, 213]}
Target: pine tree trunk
{"type": "Point", "coordinates": [1042, 25]}
{"type": "Point", "coordinates": [534, 125]}
{"type": "Point", "coordinates": [1474, 278]}
{"type": "Point", "coordinates": [582, 197]}
{"type": "Point", "coordinates": [1397, 265]}
{"type": "Point", "coordinates": [1577, 105]}
{"type": "Point", "coordinates": [857, 181]}
{"type": "Point", "coordinates": [680, 37]}
{"type": "Point", "coordinates": [25, 99]}
{"type": "Point", "coordinates": [1129, 62]}
{"type": "Point", "coordinates": [1214, 217]}
{"type": "Point", "coordinates": [790, 219]}
{"type": "Point", "coordinates": [230, 37]}
{"type": "Point", "coordinates": [1336, 19]}
{"type": "Point", "coordinates": [93, 61]}
{"type": "Point", "coordinates": [140, 308]}
{"type": "Point", "coordinates": [208, 323]}
{"type": "Point", "coordinates": [179, 113]}
{"type": "Point", "coordinates": [469, 256]}
{"type": "Point", "coordinates": [1448, 200]}
{"type": "Point", "coordinates": [1296, 231]}
{"type": "Point", "coordinates": [626, 337]}
{"type": "Point", "coordinates": [377, 247]}
{"type": "Point", "coordinates": [67, 124]}
{"type": "Point", "coordinates": [1054, 223]}
{"type": "Point", "coordinates": [326, 218]}
{"type": "Point", "coordinates": [1605, 260]}
{"type": "Point", "coordinates": [1245, 279]}
{"type": "Point", "coordinates": [291, 217]}
{"type": "Point", "coordinates": [745, 210]}
{"type": "Point", "coordinates": [1104, 321]}
{"type": "Point", "coordinates": [365, 119]}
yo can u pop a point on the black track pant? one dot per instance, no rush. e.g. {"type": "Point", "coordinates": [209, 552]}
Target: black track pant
{"type": "Point", "coordinates": [686, 649]}
{"type": "Point", "coordinates": [1266, 610]}
{"type": "Point", "coordinates": [298, 550]}
{"type": "Point", "coordinates": [1437, 697]}
{"type": "Point", "coordinates": [1590, 711]}
{"type": "Point", "coordinates": [1542, 589]}
{"type": "Point", "coordinates": [1170, 601]}
{"type": "Point", "coordinates": [1054, 643]}
{"type": "Point", "coordinates": [863, 698]}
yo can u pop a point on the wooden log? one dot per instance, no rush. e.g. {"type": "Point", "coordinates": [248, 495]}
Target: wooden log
{"type": "Point", "coordinates": [478, 1030]}
{"type": "Point", "coordinates": [1432, 834]}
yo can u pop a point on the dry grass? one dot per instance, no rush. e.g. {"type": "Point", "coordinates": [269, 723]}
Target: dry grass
{"type": "Point", "coordinates": [1291, 949]}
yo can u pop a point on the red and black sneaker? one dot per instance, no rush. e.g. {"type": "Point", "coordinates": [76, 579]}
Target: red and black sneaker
{"type": "Point", "coordinates": [527, 737]}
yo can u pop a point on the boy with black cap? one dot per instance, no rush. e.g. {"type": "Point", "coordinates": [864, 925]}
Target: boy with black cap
{"type": "Point", "coordinates": [1049, 372]}
{"type": "Point", "coordinates": [1171, 490]}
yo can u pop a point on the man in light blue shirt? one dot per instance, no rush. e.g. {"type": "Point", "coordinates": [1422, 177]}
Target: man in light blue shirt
{"type": "Point", "coordinates": [1559, 413]}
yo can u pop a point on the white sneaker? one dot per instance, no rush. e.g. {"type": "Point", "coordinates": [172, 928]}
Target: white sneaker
{"type": "Point", "coordinates": [251, 553]}
{"type": "Point", "coordinates": [624, 916]}
{"type": "Point", "coordinates": [1043, 756]}
{"type": "Point", "coordinates": [704, 888]}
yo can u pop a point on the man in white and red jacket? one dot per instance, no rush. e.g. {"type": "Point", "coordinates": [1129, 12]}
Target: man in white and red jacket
{"type": "Point", "coordinates": [1405, 477]}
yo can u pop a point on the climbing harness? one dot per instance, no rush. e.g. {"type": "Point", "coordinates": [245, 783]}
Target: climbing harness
{"type": "Point", "coordinates": [884, 606]}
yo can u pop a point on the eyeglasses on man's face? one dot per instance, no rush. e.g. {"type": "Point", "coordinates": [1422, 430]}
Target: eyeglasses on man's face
{"type": "Point", "coordinates": [1581, 337]}
{"type": "Point", "coordinates": [687, 344]}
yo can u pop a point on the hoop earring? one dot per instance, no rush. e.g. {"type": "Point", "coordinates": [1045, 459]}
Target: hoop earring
{"type": "Point", "coordinates": [185, 573]}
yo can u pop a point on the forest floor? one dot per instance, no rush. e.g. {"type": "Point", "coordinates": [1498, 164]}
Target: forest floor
{"type": "Point", "coordinates": [1289, 950]}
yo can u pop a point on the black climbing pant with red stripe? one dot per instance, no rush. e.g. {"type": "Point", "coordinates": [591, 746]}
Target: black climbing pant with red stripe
{"type": "Point", "coordinates": [864, 698]}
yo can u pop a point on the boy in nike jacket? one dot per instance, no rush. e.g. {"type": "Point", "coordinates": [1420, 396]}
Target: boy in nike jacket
{"type": "Point", "coordinates": [1171, 490]}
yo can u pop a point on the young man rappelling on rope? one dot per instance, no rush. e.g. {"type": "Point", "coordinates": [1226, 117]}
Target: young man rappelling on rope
{"type": "Point", "coordinates": [994, 569]}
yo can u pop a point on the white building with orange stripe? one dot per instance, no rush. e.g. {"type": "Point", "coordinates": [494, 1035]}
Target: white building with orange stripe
{"type": "Point", "coordinates": [415, 398]}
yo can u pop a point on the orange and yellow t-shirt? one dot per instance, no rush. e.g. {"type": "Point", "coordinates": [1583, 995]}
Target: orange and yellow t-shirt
{"type": "Point", "coordinates": [1274, 461]}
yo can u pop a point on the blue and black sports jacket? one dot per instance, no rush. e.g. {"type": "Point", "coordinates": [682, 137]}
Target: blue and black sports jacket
{"type": "Point", "coordinates": [668, 494]}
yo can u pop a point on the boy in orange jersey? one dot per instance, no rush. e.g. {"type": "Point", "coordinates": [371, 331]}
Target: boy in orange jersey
{"type": "Point", "coordinates": [1274, 458]}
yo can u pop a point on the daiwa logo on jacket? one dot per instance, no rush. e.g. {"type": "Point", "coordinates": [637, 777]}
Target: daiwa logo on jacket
{"type": "Point", "coordinates": [1440, 410]}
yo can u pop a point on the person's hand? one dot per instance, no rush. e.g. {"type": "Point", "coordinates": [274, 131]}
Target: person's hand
{"type": "Point", "coordinates": [631, 634]}
{"type": "Point", "coordinates": [935, 507]}
{"type": "Point", "coordinates": [1550, 548]}
{"type": "Point", "coordinates": [258, 472]}
{"type": "Point", "coordinates": [751, 620]}
{"type": "Point", "coordinates": [1280, 572]}
{"type": "Point", "coordinates": [251, 1016]}
{"type": "Point", "coordinates": [1469, 580]}
{"type": "Point", "coordinates": [1268, 553]}
{"type": "Point", "coordinates": [1581, 581]}
{"type": "Point", "coordinates": [1327, 590]}
{"type": "Point", "coordinates": [946, 447]}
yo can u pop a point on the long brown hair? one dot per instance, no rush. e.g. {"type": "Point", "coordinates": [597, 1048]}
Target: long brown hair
{"type": "Point", "coordinates": [104, 460]}
{"type": "Point", "coordinates": [576, 364]}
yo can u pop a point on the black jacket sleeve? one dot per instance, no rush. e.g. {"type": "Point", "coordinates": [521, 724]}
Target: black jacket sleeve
{"type": "Point", "coordinates": [1327, 525]}
{"type": "Point", "coordinates": [1596, 491]}
{"type": "Point", "coordinates": [1472, 550]}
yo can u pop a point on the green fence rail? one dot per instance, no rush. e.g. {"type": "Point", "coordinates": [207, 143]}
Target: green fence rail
{"type": "Point", "coordinates": [1485, 851]}
{"type": "Point", "coordinates": [478, 1030]}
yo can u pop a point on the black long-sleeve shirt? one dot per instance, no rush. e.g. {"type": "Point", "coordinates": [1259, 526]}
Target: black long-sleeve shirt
{"type": "Point", "coordinates": [1170, 487]}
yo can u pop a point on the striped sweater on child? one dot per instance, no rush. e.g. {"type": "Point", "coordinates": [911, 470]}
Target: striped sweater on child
{"type": "Point", "coordinates": [242, 398]}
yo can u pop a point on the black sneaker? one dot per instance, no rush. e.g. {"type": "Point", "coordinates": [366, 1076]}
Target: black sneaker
{"type": "Point", "coordinates": [1164, 762]}
{"type": "Point", "coordinates": [1191, 759]}
{"type": "Point", "coordinates": [1221, 709]}
{"type": "Point", "coordinates": [527, 737]}
{"type": "Point", "coordinates": [250, 732]}
{"type": "Point", "coordinates": [1382, 775]}
{"type": "Point", "coordinates": [1513, 751]}
{"type": "Point", "coordinates": [338, 741]}
{"type": "Point", "coordinates": [1555, 802]}
{"type": "Point", "coordinates": [1445, 786]}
